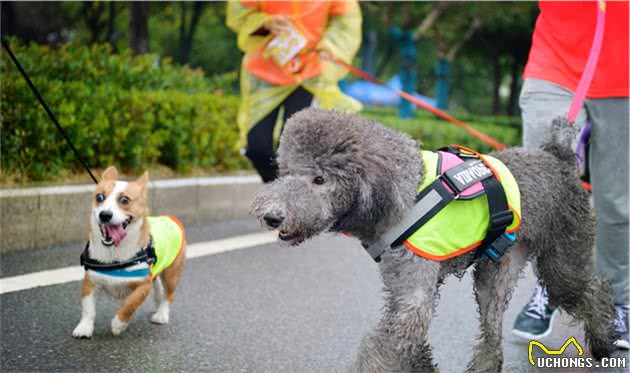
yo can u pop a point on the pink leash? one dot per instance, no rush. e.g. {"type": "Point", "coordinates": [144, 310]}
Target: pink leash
{"type": "Point", "coordinates": [582, 89]}
{"type": "Point", "coordinates": [589, 70]}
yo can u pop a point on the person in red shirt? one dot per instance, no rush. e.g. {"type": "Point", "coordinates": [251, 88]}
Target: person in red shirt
{"type": "Point", "coordinates": [560, 47]}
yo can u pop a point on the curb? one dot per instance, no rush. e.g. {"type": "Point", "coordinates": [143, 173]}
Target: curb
{"type": "Point", "coordinates": [43, 217]}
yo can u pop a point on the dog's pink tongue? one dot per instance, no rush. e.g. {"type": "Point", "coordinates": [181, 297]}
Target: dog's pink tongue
{"type": "Point", "coordinates": [116, 232]}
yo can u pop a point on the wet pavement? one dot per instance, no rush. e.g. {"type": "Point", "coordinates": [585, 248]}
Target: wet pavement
{"type": "Point", "coordinates": [261, 309]}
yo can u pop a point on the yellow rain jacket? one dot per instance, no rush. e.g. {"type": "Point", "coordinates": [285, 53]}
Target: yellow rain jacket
{"type": "Point", "coordinates": [332, 26]}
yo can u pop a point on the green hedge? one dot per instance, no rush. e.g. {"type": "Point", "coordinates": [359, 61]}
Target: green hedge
{"type": "Point", "coordinates": [141, 111]}
{"type": "Point", "coordinates": [435, 133]}
{"type": "Point", "coordinates": [134, 112]}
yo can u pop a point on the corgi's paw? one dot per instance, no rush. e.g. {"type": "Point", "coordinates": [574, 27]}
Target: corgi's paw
{"type": "Point", "coordinates": [83, 330]}
{"type": "Point", "coordinates": [118, 326]}
{"type": "Point", "coordinates": [160, 317]}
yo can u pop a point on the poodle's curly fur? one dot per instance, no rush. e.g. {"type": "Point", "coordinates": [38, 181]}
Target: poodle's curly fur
{"type": "Point", "coordinates": [344, 173]}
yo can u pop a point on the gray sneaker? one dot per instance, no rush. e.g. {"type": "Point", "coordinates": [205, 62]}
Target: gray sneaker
{"type": "Point", "coordinates": [535, 319]}
{"type": "Point", "coordinates": [621, 327]}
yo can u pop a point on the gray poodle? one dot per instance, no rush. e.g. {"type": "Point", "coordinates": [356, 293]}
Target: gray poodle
{"type": "Point", "coordinates": [345, 173]}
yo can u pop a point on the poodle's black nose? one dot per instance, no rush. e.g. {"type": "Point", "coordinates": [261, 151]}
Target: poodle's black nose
{"type": "Point", "coordinates": [273, 220]}
{"type": "Point", "coordinates": [105, 216]}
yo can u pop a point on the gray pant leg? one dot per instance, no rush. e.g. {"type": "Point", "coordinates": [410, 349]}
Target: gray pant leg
{"type": "Point", "coordinates": [541, 102]}
{"type": "Point", "coordinates": [608, 158]}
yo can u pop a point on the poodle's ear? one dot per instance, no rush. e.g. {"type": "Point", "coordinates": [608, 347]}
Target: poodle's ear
{"type": "Point", "coordinates": [366, 198]}
{"type": "Point", "coordinates": [377, 198]}
{"type": "Point", "coordinates": [110, 173]}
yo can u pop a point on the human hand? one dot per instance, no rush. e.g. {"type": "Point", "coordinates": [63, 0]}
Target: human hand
{"type": "Point", "coordinates": [277, 25]}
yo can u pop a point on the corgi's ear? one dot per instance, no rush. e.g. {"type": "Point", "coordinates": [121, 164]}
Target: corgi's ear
{"type": "Point", "coordinates": [111, 173]}
{"type": "Point", "coordinates": [143, 180]}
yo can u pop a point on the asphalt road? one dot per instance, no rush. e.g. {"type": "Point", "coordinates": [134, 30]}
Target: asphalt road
{"type": "Point", "coordinates": [261, 309]}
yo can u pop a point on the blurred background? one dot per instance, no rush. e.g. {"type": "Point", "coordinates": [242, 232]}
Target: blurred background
{"type": "Point", "coordinates": [163, 77]}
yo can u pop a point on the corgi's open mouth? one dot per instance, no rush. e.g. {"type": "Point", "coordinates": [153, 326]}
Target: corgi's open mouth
{"type": "Point", "coordinates": [113, 233]}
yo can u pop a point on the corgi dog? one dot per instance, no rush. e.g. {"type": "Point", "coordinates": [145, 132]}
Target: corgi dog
{"type": "Point", "coordinates": [129, 253]}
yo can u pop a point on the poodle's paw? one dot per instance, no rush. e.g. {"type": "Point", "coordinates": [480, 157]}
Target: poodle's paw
{"type": "Point", "coordinates": [486, 363]}
{"type": "Point", "coordinates": [118, 326]}
{"type": "Point", "coordinates": [160, 318]}
{"type": "Point", "coordinates": [83, 330]}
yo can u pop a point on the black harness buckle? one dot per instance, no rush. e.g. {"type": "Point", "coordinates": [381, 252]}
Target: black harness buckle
{"type": "Point", "coordinates": [500, 246]}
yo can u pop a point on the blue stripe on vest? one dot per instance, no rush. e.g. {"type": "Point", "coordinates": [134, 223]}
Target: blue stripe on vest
{"type": "Point", "coordinates": [123, 273]}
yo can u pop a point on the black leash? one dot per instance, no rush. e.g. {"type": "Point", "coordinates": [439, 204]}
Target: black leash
{"type": "Point", "coordinates": [50, 114]}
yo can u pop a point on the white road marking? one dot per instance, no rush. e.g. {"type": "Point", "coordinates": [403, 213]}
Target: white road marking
{"type": "Point", "coordinates": [166, 183]}
{"type": "Point", "coordinates": [75, 273]}
{"type": "Point", "coordinates": [230, 244]}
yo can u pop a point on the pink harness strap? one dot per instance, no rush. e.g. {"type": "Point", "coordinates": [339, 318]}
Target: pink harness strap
{"type": "Point", "coordinates": [591, 63]}
{"type": "Point", "coordinates": [448, 161]}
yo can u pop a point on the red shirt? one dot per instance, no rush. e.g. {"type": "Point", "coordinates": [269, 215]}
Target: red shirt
{"type": "Point", "coordinates": [562, 41]}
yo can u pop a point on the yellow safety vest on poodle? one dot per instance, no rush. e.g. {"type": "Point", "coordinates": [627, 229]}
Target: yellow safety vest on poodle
{"type": "Point", "coordinates": [466, 201]}
{"type": "Point", "coordinates": [461, 225]}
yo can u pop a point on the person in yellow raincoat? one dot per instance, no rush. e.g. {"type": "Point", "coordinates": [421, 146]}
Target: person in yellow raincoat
{"type": "Point", "coordinates": [283, 70]}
